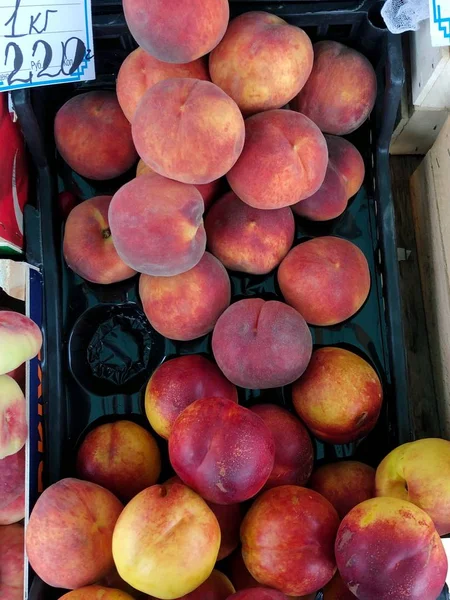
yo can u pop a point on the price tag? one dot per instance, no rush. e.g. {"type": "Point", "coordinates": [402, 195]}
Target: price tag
{"type": "Point", "coordinates": [44, 42]}
{"type": "Point", "coordinates": [440, 22]}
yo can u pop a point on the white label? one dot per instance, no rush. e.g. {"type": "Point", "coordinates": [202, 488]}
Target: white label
{"type": "Point", "coordinates": [440, 22]}
{"type": "Point", "coordinates": [45, 43]}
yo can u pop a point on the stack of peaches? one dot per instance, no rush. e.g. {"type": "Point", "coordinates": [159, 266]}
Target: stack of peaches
{"type": "Point", "coordinates": [244, 517]}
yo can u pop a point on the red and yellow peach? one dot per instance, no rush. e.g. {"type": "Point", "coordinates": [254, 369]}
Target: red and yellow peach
{"type": "Point", "coordinates": [13, 419]}
{"type": "Point", "coordinates": [12, 562]}
{"type": "Point", "coordinates": [216, 587]}
{"type": "Point", "coordinates": [96, 592]}
{"type": "Point", "coordinates": [21, 336]}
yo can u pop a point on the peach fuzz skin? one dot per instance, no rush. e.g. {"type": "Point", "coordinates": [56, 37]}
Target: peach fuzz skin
{"type": "Point", "coordinates": [341, 90]}
{"type": "Point", "coordinates": [177, 549]}
{"type": "Point", "coordinates": [88, 245]}
{"type": "Point", "coordinates": [13, 512]}
{"type": "Point", "coordinates": [12, 562]}
{"type": "Point", "coordinates": [227, 464]}
{"type": "Point", "coordinates": [339, 396]}
{"type": "Point", "coordinates": [13, 419]}
{"type": "Point", "coordinates": [67, 512]}
{"type": "Point", "coordinates": [157, 225]}
{"type": "Point", "coordinates": [248, 239]}
{"type": "Point", "coordinates": [186, 306]}
{"type": "Point", "coordinates": [260, 345]}
{"type": "Point", "coordinates": [171, 33]}
{"type": "Point", "coordinates": [122, 457]}
{"type": "Point", "coordinates": [21, 336]}
{"type": "Point", "coordinates": [288, 540]}
{"type": "Point", "coordinates": [204, 126]}
{"type": "Point", "coordinates": [140, 71]}
{"type": "Point", "coordinates": [419, 472]}
{"type": "Point", "coordinates": [94, 137]}
{"type": "Point", "coordinates": [294, 454]}
{"type": "Point", "coordinates": [327, 279]}
{"type": "Point", "coordinates": [179, 382]}
{"type": "Point", "coordinates": [269, 77]}
{"type": "Point", "coordinates": [97, 592]}
{"type": "Point", "coordinates": [216, 587]}
{"type": "Point", "coordinates": [345, 484]}
{"type": "Point", "coordinates": [209, 191]}
{"type": "Point", "coordinates": [394, 538]}
{"type": "Point", "coordinates": [12, 478]}
{"type": "Point", "coordinates": [284, 160]}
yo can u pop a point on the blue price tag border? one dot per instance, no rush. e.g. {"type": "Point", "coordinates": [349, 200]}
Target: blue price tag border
{"type": "Point", "coordinates": [443, 23]}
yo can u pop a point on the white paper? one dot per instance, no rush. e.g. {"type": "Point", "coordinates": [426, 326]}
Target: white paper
{"type": "Point", "coordinates": [45, 42]}
{"type": "Point", "coordinates": [440, 22]}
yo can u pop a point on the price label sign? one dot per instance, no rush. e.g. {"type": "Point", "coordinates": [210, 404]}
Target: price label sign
{"type": "Point", "coordinates": [440, 22]}
{"type": "Point", "coordinates": [43, 42]}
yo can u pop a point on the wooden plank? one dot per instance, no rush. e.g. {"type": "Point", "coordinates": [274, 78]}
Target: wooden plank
{"type": "Point", "coordinates": [417, 134]}
{"type": "Point", "coordinates": [420, 375]}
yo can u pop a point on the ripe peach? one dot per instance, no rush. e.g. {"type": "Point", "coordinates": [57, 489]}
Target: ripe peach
{"type": "Point", "coordinates": [96, 592]}
{"type": "Point", "coordinates": [388, 548]}
{"type": "Point", "coordinates": [339, 397]}
{"type": "Point", "coordinates": [12, 563]}
{"type": "Point", "coordinates": [268, 77]}
{"type": "Point", "coordinates": [348, 162]}
{"type": "Point", "coordinates": [121, 456]}
{"type": "Point", "coordinates": [13, 419]}
{"type": "Point", "coordinates": [216, 587]}
{"type": "Point", "coordinates": [345, 484]}
{"type": "Point", "coordinates": [327, 279]}
{"type": "Point", "coordinates": [209, 191]}
{"type": "Point", "coordinates": [260, 344]}
{"type": "Point", "coordinates": [157, 225]}
{"type": "Point", "coordinates": [341, 91]}
{"type": "Point", "coordinates": [188, 130]}
{"type": "Point", "coordinates": [337, 590]}
{"type": "Point", "coordinates": [12, 478]}
{"type": "Point", "coordinates": [21, 336]}
{"type": "Point", "coordinates": [294, 454]}
{"type": "Point", "coordinates": [13, 512]}
{"type": "Point", "coordinates": [287, 540]}
{"type": "Point", "coordinates": [419, 472]}
{"type": "Point", "coordinates": [177, 383]}
{"type": "Point", "coordinates": [284, 160]}
{"type": "Point", "coordinates": [175, 35]}
{"type": "Point", "coordinates": [175, 551]}
{"type": "Point", "coordinates": [88, 245]}
{"type": "Point", "coordinates": [222, 450]}
{"type": "Point", "coordinates": [248, 239]}
{"type": "Point", "coordinates": [186, 306]}
{"type": "Point", "coordinates": [69, 533]}
{"type": "Point", "coordinates": [94, 137]}
{"type": "Point", "coordinates": [140, 71]}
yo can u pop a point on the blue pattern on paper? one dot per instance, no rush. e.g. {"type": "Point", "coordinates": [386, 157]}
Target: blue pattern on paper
{"type": "Point", "coordinates": [443, 22]}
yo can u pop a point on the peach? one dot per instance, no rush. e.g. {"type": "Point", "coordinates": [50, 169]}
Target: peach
{"type": "Point", "coordinates": [248, 239]}
{"type": "Point", "coordinates": [216, 587]}
{"type": "Point", "coordinates": [221, 450]}
{"type": "Point", "coordinates": [177, 383]}
{"type": "Point", "coordinates": [12, 478]}
{"type": "Point", "coordinates": [174, 35]}
{"type": "Point", "coordinates": [337, 590]}
{"type": "Point", "coordinates": [339, 397]}
{"type": "Point", "coordinates": [259, 344]}
{"type": "Point", "coordinates": [258, 593]}
{"type": "Point", "coordinates": [284, 160]}
{"type": "Point", "coordinates": [262, 61]}
{"type": "Point", "coordinates": [419, 472]}
{"type": "Point", "coordinates": [121, 457]}
{"type": "Point", "coordinates": [327, 279]}
{"type": "Point", "coordinates": [288, 540]}
{"type": "Point", "coordinates": [21, 336]}
{"type": "Point", "coordinates": [94, 137]}
{"type": "Point", "coordinates": [88, 245]}
{"type": "Point", "coordinates": [96, 592]}
{"type": "Point", "coordinates": [186, 306]}
{"type": "Point", "coordinates": [69, 533]}
{"type": "Point", "coordinates": [344, 177]}
{"type": "Point", "coordinates": [140, 71]}
{"type": "Point", "coordinates": [388, 548]}
{"type": "Point", "coordinates": [345, 484]}
{"type": "Point", "coordinates": [157, 225]}
{"type": "Point", "coordinates": [12, 563]}
{"type": "Point", "coordinates": [229, 517]}
{"type": "Point", "coordinates": [188, 130]}
{"type": "Point", "coordinates": [13, 419]}
{"type": "Point", "coordinates": [294, 454]}
{"type": "Point", "coordinates": [175, 551]}
{"type": "Point", "coordinates": [13, 512]}
{"type": "Point", "coordinates": [341, 91]}
{"type": "Point", "coordinates": [209, 191]}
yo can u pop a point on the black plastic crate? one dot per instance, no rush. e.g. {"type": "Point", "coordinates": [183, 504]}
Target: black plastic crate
{"type": "Point", "coordinates": [73, 308]}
